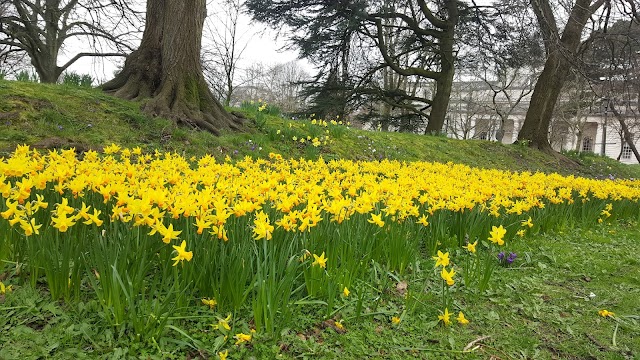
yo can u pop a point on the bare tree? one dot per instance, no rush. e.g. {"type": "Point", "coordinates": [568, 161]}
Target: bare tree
{"type": "Point", "coordinates": [284, 82]}
{"type": "Point", "coordinates": [42, 28]}
{"type": "Point", "coordinates": [470, 113]}
{"type": "Point", "coordinates": [222, 55]}
{"type": "Point", "coordinates": [279, 84]}
{"type": "Point", "coordinates": [577, 102]}
{"type": "Point", "coordinates": [612, 64]}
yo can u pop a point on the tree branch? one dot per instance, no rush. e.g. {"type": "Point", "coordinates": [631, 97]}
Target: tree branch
{"type": "Point", "coordinates": [81, 55]}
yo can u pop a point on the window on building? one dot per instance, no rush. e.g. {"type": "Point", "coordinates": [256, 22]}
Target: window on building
{"type": "Point", "coordinates": [626, 151]}
{"type": "Point", "coordinates": [587, 144]}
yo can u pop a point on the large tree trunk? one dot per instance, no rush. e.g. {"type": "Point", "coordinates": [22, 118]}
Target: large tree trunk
{"type": "Point", "coordinates": [444, 83]}
{"type": "Point", "coordinates": [166, 68]}
{"type": "Point", "coordinates": [441, 99]}
{"type": "Point", "coordinates": [535, 129]}
{"type": "Point", "coordinates": [46, 67]}
{"type": "Point", "coordinates": [44, 55]}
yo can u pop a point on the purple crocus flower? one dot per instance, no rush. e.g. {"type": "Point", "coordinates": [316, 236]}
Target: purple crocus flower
{"type": "Point", "coordinates": [501, 256]}
{"type": "Point", "coordinates": [511, 258]}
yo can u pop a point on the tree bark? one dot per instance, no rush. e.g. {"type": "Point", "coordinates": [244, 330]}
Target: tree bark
{"type": "Point", "coordinates": [535, 129]}
{"type": "Point", "coordinates": [166, 68]}
{"type": "Point", "coordinates": [444, 82]}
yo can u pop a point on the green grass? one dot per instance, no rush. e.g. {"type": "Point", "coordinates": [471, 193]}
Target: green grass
{"type": "Point", "coordinates": [54, 116]}
{"type": "Point", "coordinates": [540, 307]}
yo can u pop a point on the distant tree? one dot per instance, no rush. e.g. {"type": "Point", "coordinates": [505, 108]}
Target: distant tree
{"type": "Point", "coordinates": [561, 50]}
{"type": "Point", "coordinates": [612, 64]}
{"type": "Point", "coordinates": [411, 38]}
{"type": "Point", "coordinates": [470, 112]}
{"type": "Point", "coordinates": [167, 68]}
{"type": "Point", "coordinates": [504, 51]}
{"type": "Point", "coordinates": [252, 80]}
{"type": "Point", "coordinates": [42, 28]}
{"type": "Point", "coordinates": [222, 55]}
{"type": "Point", "coordinates": [278, 84]}
{"type": "Point", "coordinates": [570, 116]}
{"type": "Point", "coordinates": [284, 82]}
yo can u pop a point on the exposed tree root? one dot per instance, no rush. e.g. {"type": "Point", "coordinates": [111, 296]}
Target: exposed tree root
{"type": "Point", "coordinates": [182, 99]}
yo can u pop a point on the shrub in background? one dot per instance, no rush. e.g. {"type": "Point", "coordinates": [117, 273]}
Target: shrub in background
{"type": "Point", "coordinates": [77, 80]}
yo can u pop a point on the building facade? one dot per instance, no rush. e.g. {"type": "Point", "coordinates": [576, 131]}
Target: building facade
{"type": "Point", "coordinates": [486, 111]}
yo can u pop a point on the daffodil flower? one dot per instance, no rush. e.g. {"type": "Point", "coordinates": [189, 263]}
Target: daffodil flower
{"type": "Point", "coordinates": [241, 337]}
{"type": "Point", "coordinates": [442, 259]}
{"type": "Point", "coordinates": [320, 260]}
{"type": "Point", "coordinates": [461, 319]}
{"type": "Point", "coordinates": [606, 313]}
{"type": "Point", "coordinates": [445, 317]}
{"type": "Point", "coordinates": [497, 233]}
{"type": "Point", "coordinates": [448, 275]}
{"type": "Point", "coordinates": [471, 247]}
{"type": "Point", "coordinates": [183, 254]}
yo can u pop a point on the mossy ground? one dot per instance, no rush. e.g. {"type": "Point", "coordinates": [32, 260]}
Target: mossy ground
{"type": "Point", "coordinates": [48, 116]}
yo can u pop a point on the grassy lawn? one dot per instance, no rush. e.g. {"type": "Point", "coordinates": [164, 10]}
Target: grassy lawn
{"type": "Point", "coordinates": [545, 305]}
{"type": "Point", "coordinates": [116, 280]}
{"type": "Point", "coordinates": [55, 116]}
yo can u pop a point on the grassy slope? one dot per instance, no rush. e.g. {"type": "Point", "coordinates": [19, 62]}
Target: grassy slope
{"type": "Point", "coordinates": [59, 116]}
{"type": "Point", "coordinates": [539, 308]}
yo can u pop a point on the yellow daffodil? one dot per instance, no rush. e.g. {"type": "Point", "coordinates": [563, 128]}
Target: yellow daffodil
{"type": "Point", "coordinates": [201, 224]}
{"type": "Point", "coordinates": [242, 337]}
{"type": "Point", "coordinates": [211, 303]}
{"type": "Point", "coordinates": [471, 247]}
{"type": "Point", "coordinates": [497, 233]}
{"type": "Point", "coordinates": [183, 254]}
{"type": "Point", "coordinates": [448, 275]}
{"type": "Point", "coordinates": [320, 260]}
{"type": "Point", "coordinates": [223, 323]}
{"type": "Point", "coordinates": [376, 219]}
{"type": "Point", "coordinates": [461, 319]}
{"type": "Point", "coordinates": [223, 354]}
{"type": "Point", "coordinates": [346, 292]}
{"type": "Point", "coordinates": [606, 313]}
{"type": "Point", "coordinates": [445, 317]}
{"type": "Point", "coordinates": [423, 220]}
{"type": "Point", "coordinates": [442, 259]}
{"type": "Point", "coordinates": [262, 227]}
{"type": "Point", "coordinates": [527, 222]}
{"type": "Point", "coordinates": [30, 227]}
{"type": "Point", "coordinates": [62, 223]}
{"type": "Point", "coordinates": [169, 234]}
{"type": "Point", "coordinates": [5, 289]}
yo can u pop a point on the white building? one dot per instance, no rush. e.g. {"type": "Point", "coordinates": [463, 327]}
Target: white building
{"type": "Point", "coordinates": [477, 109]}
